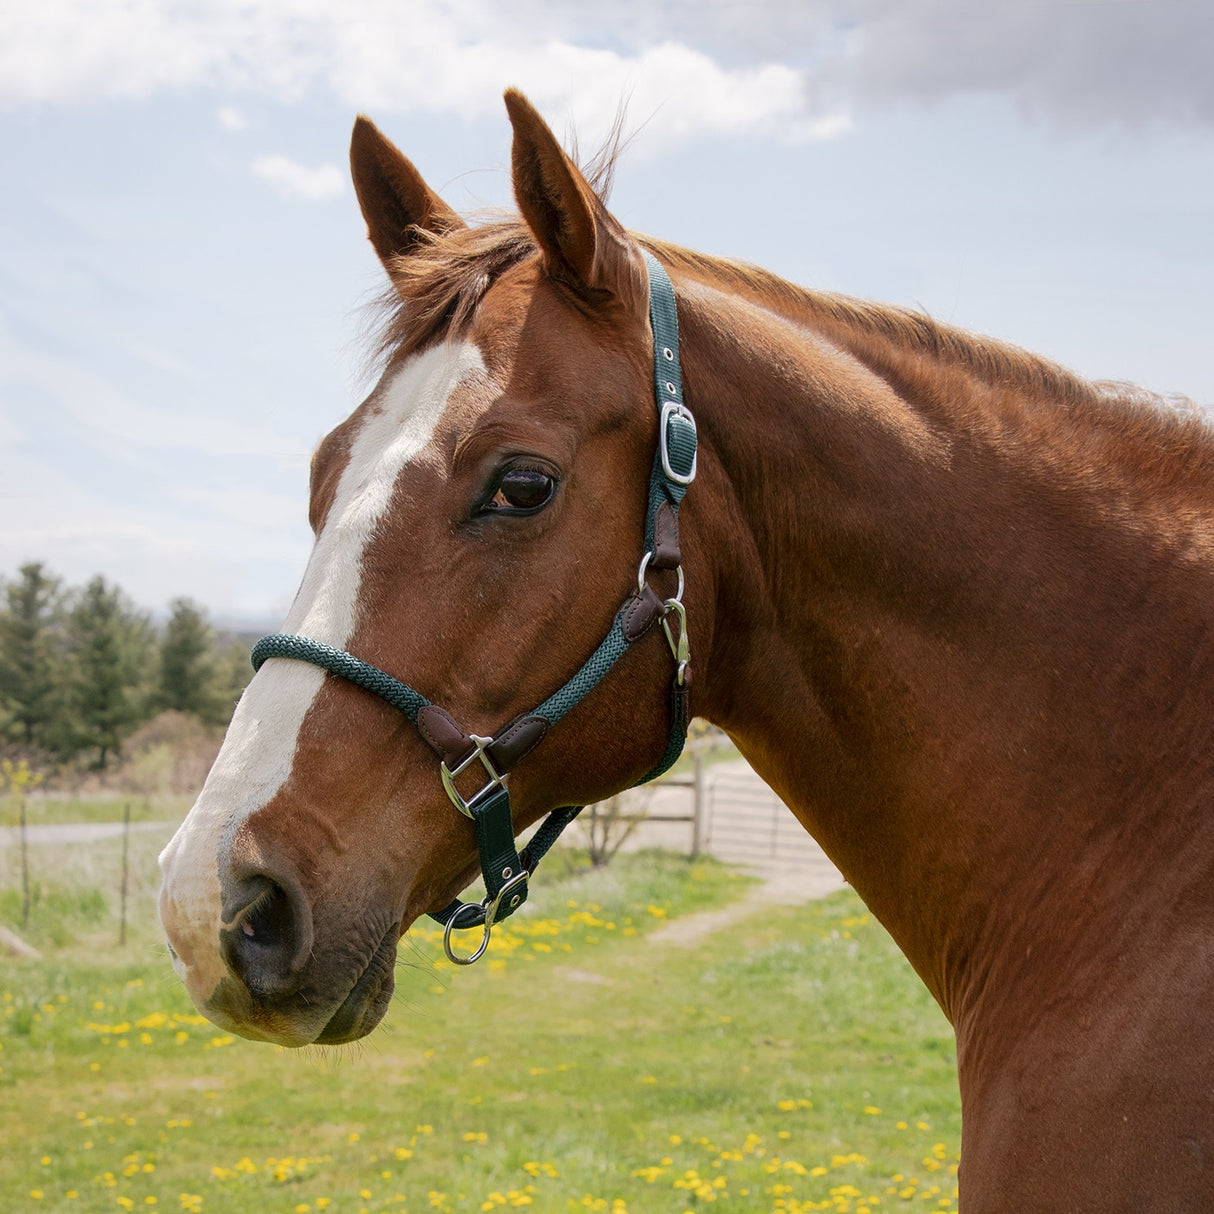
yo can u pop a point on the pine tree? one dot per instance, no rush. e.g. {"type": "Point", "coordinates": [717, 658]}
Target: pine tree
{"type": "Point", "coordinates": [232, 675]}
{"type": "Point", "coordinates": [31, 656]}
{"type": "Point", "coordinates": [112, 652]}
{"type": "Point", "coordinates": [187, 663]}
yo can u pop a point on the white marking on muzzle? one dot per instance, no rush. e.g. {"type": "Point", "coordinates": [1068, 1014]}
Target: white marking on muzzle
{"type": "Point", "coordinates": [257, 754]}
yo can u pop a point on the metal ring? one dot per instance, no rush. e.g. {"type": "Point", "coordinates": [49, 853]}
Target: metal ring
{"type": "Point", "coordinates": [678, 594]}
{"type": "Point", "coordinates": [452, 955]}
{"type": "Point", "coordinates": [641, 572]}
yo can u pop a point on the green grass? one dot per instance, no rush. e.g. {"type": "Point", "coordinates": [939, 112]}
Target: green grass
{"type": "Point", "coordinates": [787, 1062]}
{"type": "Point", "coordinates": [56, 811]}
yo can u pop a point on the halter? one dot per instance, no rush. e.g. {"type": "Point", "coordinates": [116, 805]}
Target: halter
{"type": "Point", "coordinates": [506, 871]}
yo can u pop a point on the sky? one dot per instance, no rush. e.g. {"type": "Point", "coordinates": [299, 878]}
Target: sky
{"type": "Point", "coordinates": [184, 274]}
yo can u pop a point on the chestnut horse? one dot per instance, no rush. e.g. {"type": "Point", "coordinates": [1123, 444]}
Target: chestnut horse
{"type": "Point", "coordinates": [953, 603]}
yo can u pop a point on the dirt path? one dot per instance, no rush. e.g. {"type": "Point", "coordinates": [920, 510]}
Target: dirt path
{"type": "Point", "coordinates": [801, 873]}
{"type": "Point", "coordinates": [787, 887]}
{"type": "Point", "coordinates": [77, 832]}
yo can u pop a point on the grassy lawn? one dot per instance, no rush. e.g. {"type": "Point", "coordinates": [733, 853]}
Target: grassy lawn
{"type": "Point", "coordinates": [55, 811]}
{"type": "Point", "coordinates": [788, 1062]}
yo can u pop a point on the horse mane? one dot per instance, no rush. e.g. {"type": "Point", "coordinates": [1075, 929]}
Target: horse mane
{"type": "Point", "coordinates": [436, 289]}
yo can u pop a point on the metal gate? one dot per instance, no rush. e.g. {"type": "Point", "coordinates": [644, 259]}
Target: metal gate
{"type": "Point", "coordinates": [748, 824]}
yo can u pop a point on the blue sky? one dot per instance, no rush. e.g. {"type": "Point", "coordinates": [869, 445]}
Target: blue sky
{"type": "Point", "coordinates": [183, 270]}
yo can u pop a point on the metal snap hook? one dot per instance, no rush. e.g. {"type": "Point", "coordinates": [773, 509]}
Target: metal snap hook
{"type": "Point", "coordinates": [680, 645]}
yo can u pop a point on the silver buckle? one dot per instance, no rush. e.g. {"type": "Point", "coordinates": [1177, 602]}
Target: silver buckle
{"type": "Point", "coordinates": [675, 409]}
{"type": "Point", "coordinates": [496, 779]}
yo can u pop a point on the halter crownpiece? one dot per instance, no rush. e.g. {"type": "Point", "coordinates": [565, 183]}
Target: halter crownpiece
{"type": "Point", "coordinates": [505, 870]}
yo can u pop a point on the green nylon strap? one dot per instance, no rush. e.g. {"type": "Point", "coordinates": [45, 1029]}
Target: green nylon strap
{"type": "Point", "coordinates": [472, 914]}
{"type": "Point", "coordinates": [676, 427]}
{"type": "Point", "coordinates": [593, 671]}
{"type": "Point", "coordinates": [664, 321]}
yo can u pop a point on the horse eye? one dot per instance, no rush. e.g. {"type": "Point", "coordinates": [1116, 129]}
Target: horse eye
{"type": "Point", "coordinates": [522, 491]}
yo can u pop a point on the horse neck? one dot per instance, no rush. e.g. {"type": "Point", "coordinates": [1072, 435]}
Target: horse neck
{"type": "Point", "coordinates": [935, 598]}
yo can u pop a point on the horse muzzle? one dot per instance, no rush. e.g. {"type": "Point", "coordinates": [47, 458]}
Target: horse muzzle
{"type": "Point", "coordinates": [259, 961]}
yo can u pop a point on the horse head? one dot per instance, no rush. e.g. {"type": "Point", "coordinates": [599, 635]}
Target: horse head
{"type": "Point", "coordinates": [478, 523]}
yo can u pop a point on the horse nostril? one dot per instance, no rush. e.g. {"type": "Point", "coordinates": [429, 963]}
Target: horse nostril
{"type": "Point", "coordinates": [267, 923]}
{"type": "Point", "coordinates": [268, 939]}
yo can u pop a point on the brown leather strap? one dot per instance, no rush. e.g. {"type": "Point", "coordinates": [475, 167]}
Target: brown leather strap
{"type": "Point", "coordinates": [641, 611]}
{"type": "Point", "coordinates": [438, 727]}
{"type": "Point", "coordinates": [666, 551]}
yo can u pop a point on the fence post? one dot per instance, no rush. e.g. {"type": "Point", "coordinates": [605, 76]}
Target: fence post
{"type": "Point", "coordinates": [126, 867]}
{"type": "Point", "coordinates": [699, 807]}
{"type": "Point", "coordinates": [25, 868]}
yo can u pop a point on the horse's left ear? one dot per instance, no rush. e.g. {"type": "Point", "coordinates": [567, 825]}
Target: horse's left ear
{"type": "Point", "coordinates": [582, 244]}
{"type": "Point", "coordinates": [395, 200]}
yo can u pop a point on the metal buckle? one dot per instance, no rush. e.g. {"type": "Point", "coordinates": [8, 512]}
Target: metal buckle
{"type": "Point", "coordinates": [496, 779]}
{"type": "Point", "coordinates": [490, 907]}
{"type": "Point", "coordinates": [671, 410]}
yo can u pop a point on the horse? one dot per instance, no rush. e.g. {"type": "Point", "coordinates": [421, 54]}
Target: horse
{"type": "Point", "coordinates": [952, 602]}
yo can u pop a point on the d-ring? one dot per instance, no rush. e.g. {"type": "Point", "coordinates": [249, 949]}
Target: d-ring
{"type": "Point", "coordinates": [490, 908]}
{"type": "Point", "coordinates": [449, 949]}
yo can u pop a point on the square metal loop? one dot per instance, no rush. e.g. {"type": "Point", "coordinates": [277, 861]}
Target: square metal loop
{"type": "Point", "coordinates": [496, 779]}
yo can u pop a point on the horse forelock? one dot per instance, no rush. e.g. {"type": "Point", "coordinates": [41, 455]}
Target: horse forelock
{"type": "Point", "coordinates": [436, 288]}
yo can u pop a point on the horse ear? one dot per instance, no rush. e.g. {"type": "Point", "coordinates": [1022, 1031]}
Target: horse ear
{"type": "Point", "coordinates": [581, 243]}
{"type": "Point", "coordinates": [396, 203]}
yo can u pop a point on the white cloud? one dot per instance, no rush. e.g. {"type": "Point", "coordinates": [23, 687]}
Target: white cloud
{"type": "Point", "coordinates": [231, 119]}
{"type": "Point", "coordinates": [270, 510]}
{"type": "Point", "coordinates": [788, 67]}
{"type": "Point", "coordinates": [296, 180]}
{"type": "Point", "coordinates": [451, 58]}
{"type": "Point", "coordinates": [1071, 61]}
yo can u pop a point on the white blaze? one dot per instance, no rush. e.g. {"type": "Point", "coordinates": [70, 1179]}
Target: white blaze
{"type": "Point", "coordinates": [259, 749]}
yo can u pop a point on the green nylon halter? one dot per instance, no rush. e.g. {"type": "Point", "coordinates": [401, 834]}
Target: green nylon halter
{"type": "Point", "coordinates": [505, 870]}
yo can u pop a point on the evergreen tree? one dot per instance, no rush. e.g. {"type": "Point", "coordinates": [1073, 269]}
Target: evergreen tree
{"type": "Point", "coordinates": [187, 663]}
{"type": "Point", "coordinates": [112, 652]}
{"type": "Point", "coordinates": [233, 672]}
{"type": "Point", "coordinates": [31, 656]}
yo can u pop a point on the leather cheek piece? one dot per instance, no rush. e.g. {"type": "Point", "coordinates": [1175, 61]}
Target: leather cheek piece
{"type": "Point", "coordinates": [438, 727]}
{"type": "Point", "coordinates": [666, 551]}
{"type": "Point", "coordinates": [517, 740]}
{"type": "Point", "coordinates": [641, 613]}
{"type": "Point", "coordinates": [444, 736]}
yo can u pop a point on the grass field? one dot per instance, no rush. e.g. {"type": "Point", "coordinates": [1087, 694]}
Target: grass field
{"type": "Point", "coordinates": [788, 1062]}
